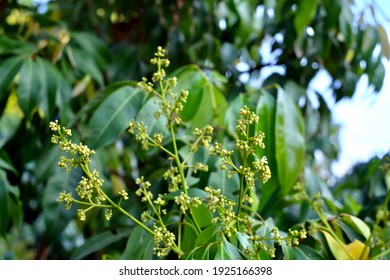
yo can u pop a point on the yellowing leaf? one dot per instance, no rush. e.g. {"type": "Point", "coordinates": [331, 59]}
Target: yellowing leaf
{"type": "Point", "coordinates": [339, 250]}
{"type": "Point", "coordinates": [356, 249]}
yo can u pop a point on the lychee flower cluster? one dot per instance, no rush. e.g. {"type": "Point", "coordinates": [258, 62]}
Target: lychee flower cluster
{"type": "Point", "coordinates": [88, 188]}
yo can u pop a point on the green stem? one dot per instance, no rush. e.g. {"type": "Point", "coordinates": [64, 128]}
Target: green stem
{"type": "Point", "coordinates": [177, 159]}
{"type": "Point", "coordinates": [329, 229]}
{"type": "Point", "coordinates": [131, 217]}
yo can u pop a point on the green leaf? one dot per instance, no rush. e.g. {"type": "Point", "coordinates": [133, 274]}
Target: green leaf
{"type": "Point", "coordinates": [37, 87]}
{"type": "Point", "coordinates": [113, 115]}
{"type": "Point", "coordinates": [266, 110]}
{"type": "Point", "coordinates": [28, 91]}
{"type": "Point", "coordinates": [93, 46]}
{"type": "Point", "coordinates": [86, 63]}
{"type": "Point", "coordinates": [289, 140]}
{"type": "Point", "coordinates": [139, 246]}
{"type": "Point", "coordinates": [8, 69]}
{"type": "Point", "coordinates": [6, 163]}
{"type": "Point", "coordinates": [202, 216]}
{"type": "Point", "coordinates": [99, 241]}
{"type": "Point", "coordinates": [357, 224]}
{"type": "Point", "coordinates": [98, 99]}
{"type": "Point", "coordinates": [205, 103]}
{"type": "Point", "coordinates": [208, 234]}
{"type": "Point", "coordinates": [227, 251]}
{"type": "Point", "coordinates": [305, 13]}
{"type": "Point", "coordinates": [55, 214]}
{"type": "Point", "coordinates": [288, 251]}
{"type": "Point", "coordinates": [12, 46]}
{"type": "Point", "coordinates": [303, 252]}
{"type": "Point", "coordinates": [4, 203]}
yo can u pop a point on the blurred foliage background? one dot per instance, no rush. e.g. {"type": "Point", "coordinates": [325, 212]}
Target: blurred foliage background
{"type": "Point", "coordinates": [66, 59]}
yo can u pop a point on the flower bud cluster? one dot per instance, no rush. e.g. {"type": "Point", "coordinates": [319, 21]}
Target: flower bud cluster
{"type": "Point", "coordinates": [143, 190]}
{"type": "Point", "coordinates": [226, 215]}
{"type": "Point", "coordinates": [67, 198]}
{"type": "Point", "coordinates": [164, 240]}
{"type": "Point", "coordinates": [185, 202]}
{"type": "Point", "coordinates": [80, 153]}
{"type": "Point", "coordinates": [170, 103]}
{"type": "Point", "coordinates": [89, 186]}
{"type": "Point", "coordinates": [173, 175]}
{"type": "Point", "coordinates": [203, 137]}
{"type": "Point", "coordinates": [139, 129]}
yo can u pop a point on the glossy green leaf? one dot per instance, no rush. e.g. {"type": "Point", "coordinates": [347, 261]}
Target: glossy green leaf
{"type": "Point", "coordinates": [139, 246]}
{"type": "Point", "coordinates": [205, 103]}
{"type": "Point", "coordinates": [8, 69]}
{"type": "Point", "coordinates": [98, 99]}
{"type": "Point", "coordinates": [202, 216]}
{"type": "Point", "coordinates": [37, 88]}
{"type": "Point", "coordinates": [113, 115]}
{"type": "Point", "coordinates": [266, 110]}
{"type": "Point", "coordinates": [208, 234]}
{"type": "Point", "coordinates": [289, 141]}
{"type": "Point", "coordinates": [4, 203]}
{"type": "Point", "coordinates": [189, 236]}
{"type": "Point", "coordinates": [305, 13]}
{"type": "Point", "coordinates": [357, 224]}
{"type": "Point", "coordinates": [99, 241]}
{"type": "Point", "coordinates": [227, 251]}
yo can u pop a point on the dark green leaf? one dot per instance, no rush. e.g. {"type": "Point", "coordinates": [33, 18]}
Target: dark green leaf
{"type": "Point", "coordinates": [139, 245]}
{"type": "Point", "coordinates": [208, 234]}
{"type": "Point", "coordinates": [266, 110]}
{"type": "Point", "coordinates": [98, 99]}
{"type": "Point", "coordinates": [202, 216]}
{"type": "Point", "coordinates": [113, 115]}
{"type": "Point", "coordinates": [8, 69]}
{"type": "Point", "coordinates": [205, 103]}
{"type": "Point", "coordinates": [289, 140]}
{"type": "Point", "coordinates": [99, 241]}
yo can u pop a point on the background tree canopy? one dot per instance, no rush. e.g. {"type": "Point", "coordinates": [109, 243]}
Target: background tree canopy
{"type": "Point", "coordinates": [77, 61]}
